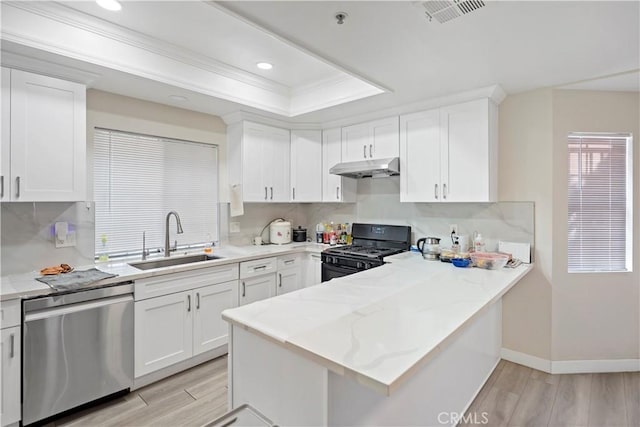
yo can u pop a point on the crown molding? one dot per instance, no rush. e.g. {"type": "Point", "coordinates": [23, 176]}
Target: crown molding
{"type": "Point", "coordinates": [71, 17]}
{"type": "Point", "coordinates": [495, 93]}
{"type": "Point", "coordinates": [32, 64]}
{"type": "Point", "coordinates": [240, 116]}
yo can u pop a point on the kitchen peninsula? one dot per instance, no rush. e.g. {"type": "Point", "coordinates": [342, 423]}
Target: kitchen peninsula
{"type": "Point", "coordinates": [394, 345]}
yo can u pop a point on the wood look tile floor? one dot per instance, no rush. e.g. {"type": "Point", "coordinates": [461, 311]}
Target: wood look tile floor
{"type": "Point", "coordinates": [514, 395]}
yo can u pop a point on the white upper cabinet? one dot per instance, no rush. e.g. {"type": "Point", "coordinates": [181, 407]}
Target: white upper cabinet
{"type": "Point", "coordinates": [47, 139]}
{"type": "Point", "coordinates": [306, 165]}
{"type": "Point", "coordinates": [372, 140]}
{"type": "Point", "coordinates": [334, 187]}
{"type": "Point", "coordinates": [258, 158]}
{"type": "Point", "coordinates": [420, 157]}
{"type": "Point", "coordinates": [5, 143]}
{"type": "Point", "coordinates": [450, 154]}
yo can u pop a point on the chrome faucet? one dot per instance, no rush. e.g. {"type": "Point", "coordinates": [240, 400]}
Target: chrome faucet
{"type": "Point", "coordinates": [167, 253]}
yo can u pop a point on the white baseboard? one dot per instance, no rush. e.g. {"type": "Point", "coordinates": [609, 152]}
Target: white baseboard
{"type": "Point", "coordinates": [534, 362]}
{"type": "Point", "coordinates": [594, 366]}
{"type": "Point", "coordinates": [571, 366]}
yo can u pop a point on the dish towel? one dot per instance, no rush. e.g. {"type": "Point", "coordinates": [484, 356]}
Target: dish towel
{"type": "Point", "coordinates": [75, 279]}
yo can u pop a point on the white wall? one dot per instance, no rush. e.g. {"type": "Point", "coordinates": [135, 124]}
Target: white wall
{"type": "Point", "coordinates": [552, 314]}
{"type": "Point", "coordinates": [525, 151]}
{"type": "Point", "coordinates": [595, 316]}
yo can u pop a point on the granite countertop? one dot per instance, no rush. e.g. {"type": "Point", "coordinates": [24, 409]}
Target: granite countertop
{"type": "Point", "coordinates": [377, 326]}
{"type": "Point", "coordinates": [26, 286]}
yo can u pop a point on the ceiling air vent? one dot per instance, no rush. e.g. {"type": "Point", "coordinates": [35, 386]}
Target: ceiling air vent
{"type": "Point", "coordinates": [446, 10]}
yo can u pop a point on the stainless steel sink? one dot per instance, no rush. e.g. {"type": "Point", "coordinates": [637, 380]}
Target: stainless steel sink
{"type": "Point", "coordinates": [168, 262]}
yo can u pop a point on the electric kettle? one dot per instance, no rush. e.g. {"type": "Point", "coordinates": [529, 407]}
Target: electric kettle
{"type": "Point", "coordinates": [429, 247]}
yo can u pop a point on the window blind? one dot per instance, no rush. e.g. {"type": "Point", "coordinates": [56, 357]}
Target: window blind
{"type": "Point", "coordinates": [599, 202]}
{"type": "Point", "coordinates": [138, 179]}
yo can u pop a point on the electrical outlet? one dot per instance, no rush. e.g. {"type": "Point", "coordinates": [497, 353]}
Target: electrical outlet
{"type": "Point", "coordinates": [453, 228]}
{"type": "Point", "coordinates": [234, 227]}
{"type": "Point", "coordinates": [69, 241]}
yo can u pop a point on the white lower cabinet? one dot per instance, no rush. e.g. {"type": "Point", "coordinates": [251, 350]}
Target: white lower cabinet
{"type": "Point", "coordinates": [179, 315]}
{"type": "Point", "coordinates": [175, 327]}
{"type": "Point", "coordinates": [10, 376]}
{"type": "Point", "coordinates": [257, 288]}
{"type": "Point", "coordinates": [313, 271]}
{"type": "Point", "coordinates": [163, 332]}
{"type": "Point", "coordinates": [209, 330]}
{"type": "Point", "coordinates": [289, 273]}
{"type": "Point", "coordinates": [10, 368]}
{"type": "Point", "coordinates": [289, 280]}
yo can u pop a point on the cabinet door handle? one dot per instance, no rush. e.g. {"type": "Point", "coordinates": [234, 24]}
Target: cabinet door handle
{"type": "Point", "coordinates": [337, 193]}
{"type": "Point", "coordinates": [265, 193]}
{"type": "Point", "coordinates": [444, 191]}
{"type": "Point", "coordinates": [364, 151]}
{"type": "Point", "coordinates": [12, 346]}
{"type": "Point", "coordinates": [244, 289]}
{"type": "Point", "coordinates": [294, 193]}
{"type": "Point", "coordinates": [280, 277]}
{"type": "Point", "coordinates": [371, 151]}
{"type": "Point", "coordinates": [188, 303]}
{"type": "Point", "coordinates": [1, 186]}
{"type": "Point", "coordinates": [436, 191]}
{"type": "Point", "coordinates": [271, 193]}
{"type": "Point", "coordinates": [17, 186]}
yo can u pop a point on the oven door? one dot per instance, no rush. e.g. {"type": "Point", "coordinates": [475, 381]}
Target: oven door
{"type": "Point", "coordinates": [330, 271]}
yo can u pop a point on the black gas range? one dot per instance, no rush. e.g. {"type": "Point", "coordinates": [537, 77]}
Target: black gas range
{"type": "Point", "coordinates": [371, 243]}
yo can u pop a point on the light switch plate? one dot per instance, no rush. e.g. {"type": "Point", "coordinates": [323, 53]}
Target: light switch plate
{"type": "Point", "coordinates": [234, 227]}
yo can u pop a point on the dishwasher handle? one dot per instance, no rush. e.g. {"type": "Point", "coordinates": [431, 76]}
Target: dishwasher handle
{"type": "Point", "coordinates": [74, 308]}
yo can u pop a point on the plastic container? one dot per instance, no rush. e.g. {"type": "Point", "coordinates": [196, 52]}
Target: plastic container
{"type": "Point", "coordinates": [461, 262]}
{"type": "Point", "coordinates": [489, 260]}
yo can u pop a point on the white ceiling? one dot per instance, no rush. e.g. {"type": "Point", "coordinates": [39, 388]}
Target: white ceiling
{"type": "Point", "coordinates": [520, 45]}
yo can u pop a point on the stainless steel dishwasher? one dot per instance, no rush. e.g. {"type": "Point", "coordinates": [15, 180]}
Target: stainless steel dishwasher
{"type": "Point", "coordinates": [77, 347]}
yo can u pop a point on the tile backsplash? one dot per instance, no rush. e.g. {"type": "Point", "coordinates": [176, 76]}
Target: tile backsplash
{"type": "Point", "coordinates": [27, 239]}
{"type": "Point", "coordinates": [378, 201]}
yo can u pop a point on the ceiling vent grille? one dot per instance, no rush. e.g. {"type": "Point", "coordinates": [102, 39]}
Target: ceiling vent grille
{"type": "Point", "coordinates": [446, 10]}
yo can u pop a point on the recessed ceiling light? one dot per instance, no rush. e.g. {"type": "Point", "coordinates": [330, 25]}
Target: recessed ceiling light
{"type": "Point", "coordinates": [113, 5]}
{"type": "Point", "coordinates": [264, 65]}
{"type": "Point", "coordinates": [178, 98]}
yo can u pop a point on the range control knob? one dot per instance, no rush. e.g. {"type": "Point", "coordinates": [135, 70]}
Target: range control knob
{"type": "Point", "coordinates": [360, 265]}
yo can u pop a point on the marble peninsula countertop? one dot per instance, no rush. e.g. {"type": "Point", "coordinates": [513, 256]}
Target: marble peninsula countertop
{"type": "Point", "coordinates": [379, 325]}
{"type": "Point", "coordinates": [25, 285]}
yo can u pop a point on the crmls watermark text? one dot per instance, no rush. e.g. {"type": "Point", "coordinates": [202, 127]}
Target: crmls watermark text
{"type": "Point", "coordinates": [453, 418]}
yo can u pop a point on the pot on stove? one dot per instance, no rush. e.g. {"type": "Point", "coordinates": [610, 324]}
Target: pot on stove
{"type": "Point", "coordinates": [429, 247]}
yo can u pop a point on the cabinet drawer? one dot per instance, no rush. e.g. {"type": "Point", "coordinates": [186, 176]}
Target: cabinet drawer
{"type": "Point", "coordinates": [10, 313]}
{"type": "Point", "coordinates": [178, 282]}
{"type": "Point", "coordinates": [258, 267]}
{"type": "Point", "coordinates": [289, 261]}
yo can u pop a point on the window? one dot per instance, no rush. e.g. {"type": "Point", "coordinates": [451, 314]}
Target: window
{"type": "Point", "coordinates": [138, 179]}
{"type": "Point", "coordinates": [600, 202]}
